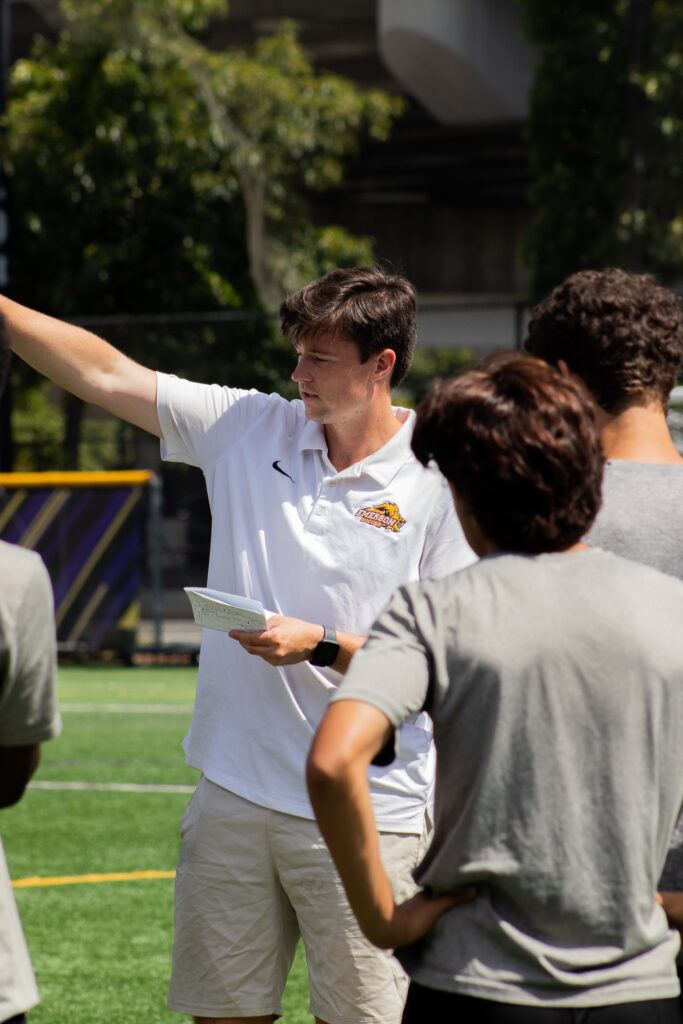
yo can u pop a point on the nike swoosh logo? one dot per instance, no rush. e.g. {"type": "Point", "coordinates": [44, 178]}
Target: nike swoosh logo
{"type": "Point", "coordinates": [276, 465]}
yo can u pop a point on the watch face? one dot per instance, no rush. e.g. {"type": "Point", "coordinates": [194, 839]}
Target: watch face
{"type": "Point", "coordinates": [327, 650]}
{"type": "Point", "coordinates": [324, 654]}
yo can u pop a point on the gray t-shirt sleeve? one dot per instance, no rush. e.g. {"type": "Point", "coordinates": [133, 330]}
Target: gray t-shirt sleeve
{"type": "Point", "coordinates": [28, 693]}
{"type": "Point", "coordinates": [640, 517]}
{"type": "Point", "coordinates": [392, 671]}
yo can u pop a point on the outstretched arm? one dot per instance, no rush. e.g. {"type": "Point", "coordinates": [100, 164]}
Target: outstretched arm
{"type": "Point", "coordinates": [84, 364]}
{"type": "Point", "coordinates": [350, 735]}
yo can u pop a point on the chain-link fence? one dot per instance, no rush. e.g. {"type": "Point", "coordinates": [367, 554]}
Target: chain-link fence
{"type": "Point", "coordinates": [237, 348]}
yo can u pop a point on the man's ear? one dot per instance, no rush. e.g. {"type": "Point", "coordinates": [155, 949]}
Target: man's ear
{"type": "Point", "coordinates": [385, 363]}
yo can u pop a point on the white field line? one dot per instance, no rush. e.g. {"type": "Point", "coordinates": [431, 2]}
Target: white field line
{"type": "Point", "coordinates": [120, 787]}
{"type": "Point", "coordinates": [127, 709]}
{"type": "Point", "coordinates": [114, 787]}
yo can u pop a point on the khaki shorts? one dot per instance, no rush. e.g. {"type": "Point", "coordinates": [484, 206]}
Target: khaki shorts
{"type": "Point", "coordinates": [250, 882]}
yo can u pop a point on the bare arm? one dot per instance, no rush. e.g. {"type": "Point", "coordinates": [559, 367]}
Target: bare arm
{"type": "Point", "coordinates": [673, 907]}
{"type": "Point", "coordinates": [288, 640]}
{"type": "Point", "coordinates": [84, 364]}
{"type": "Point", "coordinates": [350, 735]}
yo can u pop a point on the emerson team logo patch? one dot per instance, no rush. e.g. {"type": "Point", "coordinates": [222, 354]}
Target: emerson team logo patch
{"type": "Point", "coordinates": [386, 516]}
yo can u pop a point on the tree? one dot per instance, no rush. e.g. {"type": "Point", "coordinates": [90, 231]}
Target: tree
{"type": "Point", "coordinates": [275, 121]}
{"type": "Point", "coordinates": [150, 174]}
{"type": "Point", "coordinates": [606, 138]}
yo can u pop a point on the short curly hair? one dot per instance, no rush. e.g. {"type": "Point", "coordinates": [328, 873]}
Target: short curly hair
{"type": "Point", "coordinates": [622, 333]}
{"type": "Point", "coordinates": [374, 309]}
{"type": "Point", "coordinates": [519, 443]}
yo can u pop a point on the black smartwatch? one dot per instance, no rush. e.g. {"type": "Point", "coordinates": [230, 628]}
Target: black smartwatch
{"type": "Point", "coordinates": [327, 650]}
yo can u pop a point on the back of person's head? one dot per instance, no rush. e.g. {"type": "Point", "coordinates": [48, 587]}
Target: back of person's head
{"type": "Point", "coordinates": [5, 353]}
{"type": "Point", "coordinates": [622, 333]}
{"type": "Point", "coordinates": [360, 304]}
{"type": "Point", "coordinates": [519, 443]}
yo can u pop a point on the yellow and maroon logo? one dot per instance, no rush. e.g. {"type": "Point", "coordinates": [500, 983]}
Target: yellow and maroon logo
{"type": "Point", "coordinates": [386, 516]}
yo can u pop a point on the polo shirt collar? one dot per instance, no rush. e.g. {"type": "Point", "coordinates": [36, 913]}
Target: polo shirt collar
{"type": "Point", "coordinates": [382, 465]}
{"type": "Point", "coordinates": [312, 437]}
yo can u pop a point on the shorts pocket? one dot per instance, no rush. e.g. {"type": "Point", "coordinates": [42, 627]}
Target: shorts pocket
{"type": "Point", "coordinates": [192, 811]}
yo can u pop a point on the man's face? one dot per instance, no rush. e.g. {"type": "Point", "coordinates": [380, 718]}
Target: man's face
{"type": "Point", "coordinates": [333, 383]}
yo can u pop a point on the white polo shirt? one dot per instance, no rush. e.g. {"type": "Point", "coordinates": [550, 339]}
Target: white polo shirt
{"type": "Point", "coordinates": [306, 541]}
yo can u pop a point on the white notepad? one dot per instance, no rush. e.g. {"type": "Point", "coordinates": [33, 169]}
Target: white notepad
{"type": "Point", "coordinates": [216, 610]}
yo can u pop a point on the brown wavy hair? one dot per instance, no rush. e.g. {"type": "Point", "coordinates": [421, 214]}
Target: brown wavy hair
{"type": "Point", "coordinates": [361, 304]}
{"type": "Point", "coordinates": [622, 333]}
{"type": "Point", "coordinates": [519, 443]}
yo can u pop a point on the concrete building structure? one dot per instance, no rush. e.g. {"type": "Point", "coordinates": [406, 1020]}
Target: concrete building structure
{"type": "Point", "coordinates": [466, 62]}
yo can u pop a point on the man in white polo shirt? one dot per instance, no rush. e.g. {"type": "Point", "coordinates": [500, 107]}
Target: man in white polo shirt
{"type": "Point", "coordinates": [319, 511]}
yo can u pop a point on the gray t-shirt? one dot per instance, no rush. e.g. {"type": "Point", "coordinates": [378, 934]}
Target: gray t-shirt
{"type": "Point", "coordinates": [642, 518]}
{"type": "Point", "coordinates": [555, 684]}
{"type": "Point", "coordinates": [28, 715]}
{"type": "Point", "coordinates": [642, 514]}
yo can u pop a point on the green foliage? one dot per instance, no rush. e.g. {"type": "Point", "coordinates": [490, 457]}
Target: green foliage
{"type": "Point", "coordinates": [430, 364]}
{"type": "Point", "coordinates": [598, 111]}
{"type": "Point", "coordinates": [150, 174]}
{"type": "Point", "coordinates": [277, 123]}
{"type": "Point", "coordinates": [661, 82]}
{"type": "Point", "coordinates": [117, 19]}
{"type": "Point", "coordinates": [31, 407]}
{"type": "Point", "coordinates": [38, 430]}
{"type": "Point", "coordinates": [103, 145]}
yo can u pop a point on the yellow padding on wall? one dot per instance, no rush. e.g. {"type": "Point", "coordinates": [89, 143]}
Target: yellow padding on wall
{"type": "Point", "coordinates": [115, 478]}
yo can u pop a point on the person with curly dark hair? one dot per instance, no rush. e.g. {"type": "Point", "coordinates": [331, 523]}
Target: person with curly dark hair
{"type": "Point", "coordinates": [623, 335]}
{"type": "Point", "coordinates": [538, 665]}
{"type": "Point", "coordinates": [496, 444]}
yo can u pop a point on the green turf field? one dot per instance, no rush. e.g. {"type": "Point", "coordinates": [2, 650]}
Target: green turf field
{"type": "Point", "coordinates": [101, 949]}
